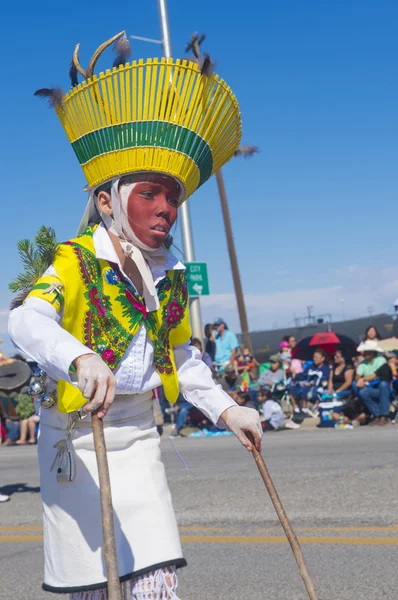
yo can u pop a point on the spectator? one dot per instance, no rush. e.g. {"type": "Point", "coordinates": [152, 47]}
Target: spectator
{"type": "Point", "coordinates": [373, 382]}
{"type": "Point", "coordinates": [226, 345]}
{"type": "Point", "coordinates": [273, 418]}
{"type": "Point", "coordinates": [393, 364]}
{"type": "Point", "coordinates": [240, 364]}
{"type": "Point", "coordinates": [182, 417]}
{"type": "Point", "coordinates": [372, 334]}
{"type": "Point", "coordinates": [284, 347]}
{"type": "Point", "coordinates": [231, 382]}
{"type": "Point", "coordinates": [341, 376]}
{"type": "Point", "coordinates": [305, 387]}
{"type": "Point", "coordinates": [285, 355]}
{"type": "Point", "coordinates": [244, 398]}
{"type": "Point", "coordinates": [249, 359]}
{"type": "Point", "coordinates": [205, 355]}
{"type": "Point", "coordinates": [272, 375]}
{"type": "Point", "coordinates": [210, 346]}
{"type": "Point", "coordinates": [296, 365]}
{"type": "Point", "coordinates": [353, 411]}
{"type": "Point", "coordinates": [28, 426]}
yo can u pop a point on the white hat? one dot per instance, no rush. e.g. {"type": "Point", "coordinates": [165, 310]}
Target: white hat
{"type": "Point", "coordinates": [369, 346]}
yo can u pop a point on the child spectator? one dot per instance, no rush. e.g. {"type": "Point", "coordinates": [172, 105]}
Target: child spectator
{"type": "Point", "coordinates": [273, 418]}
{"type": "Point", "coordinates": [272, 375]}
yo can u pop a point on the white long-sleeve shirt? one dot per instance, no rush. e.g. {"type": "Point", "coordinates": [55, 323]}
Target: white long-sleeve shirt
{"type": "Point", "coordinates": [36, 330]}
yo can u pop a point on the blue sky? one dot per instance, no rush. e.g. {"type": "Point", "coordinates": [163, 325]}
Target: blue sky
{"type": "Point", "coordinates": [313, 214]}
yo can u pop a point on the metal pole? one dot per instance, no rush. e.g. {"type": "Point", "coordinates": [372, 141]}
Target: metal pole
{"type": "Point", "coordinates": [234, 262]}
{"type": "Point", "coordinates": [185, 220]}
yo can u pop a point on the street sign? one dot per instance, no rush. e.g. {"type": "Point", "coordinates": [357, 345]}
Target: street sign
{"type": "Point", "coordinates": [198, 281]}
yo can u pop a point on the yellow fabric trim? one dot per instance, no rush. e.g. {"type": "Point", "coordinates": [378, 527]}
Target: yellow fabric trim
{"type": "Point", "coordinates": [52, 297]}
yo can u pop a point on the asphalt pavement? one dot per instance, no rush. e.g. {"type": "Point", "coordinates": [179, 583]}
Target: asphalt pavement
{"type": "Point", "coordinates": [339, 488]}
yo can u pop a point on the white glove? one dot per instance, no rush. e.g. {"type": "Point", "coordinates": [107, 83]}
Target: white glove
{"type": "Point", "coordinates": [96, 382]}
{"type": "Point", "coordinates": [239, 420]}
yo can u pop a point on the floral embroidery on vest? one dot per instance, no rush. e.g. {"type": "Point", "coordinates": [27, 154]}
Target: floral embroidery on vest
{"type": "Point", "coordinates": [163, 287]}
{"type": "Point", "coordinates": [102, 332]}
{"type": "Point", "coordinates": [172, 315]}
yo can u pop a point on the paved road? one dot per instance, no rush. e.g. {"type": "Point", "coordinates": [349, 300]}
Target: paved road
{"type": "Point", "coordinates": [340, 489]}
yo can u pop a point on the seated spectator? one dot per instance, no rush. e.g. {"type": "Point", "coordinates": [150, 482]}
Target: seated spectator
{"type": "Point", "coordinates": [372, 334]}
{"type": "Point", "coordinates": [226, 345]}
{"type": "Point", "coordinates": [244, 398]}
{"type": "Point", "coordinates": [273, 418]}
{"type": "Point", "coordinates": [249, 359]}
{"type": "Point", "coordinates": [184, 408]}
{"type": "Point", "coordinates": [231, 382]}
{"type": "Point", "coordinates": [353, 411]}
{"type": "Point", "coordinates": [28, 426]}
{"type": "Point", "coordinates": [272, 375]}
{"type": "Point", "coordinates": [285, 356]}
{"type": "Point", "coordinates": [205, 355]}
{"type": "Point", "coordinates": [393, 364]}
{"type": "Point", "coordinates": [210, 346]}
{"type": "Point", "coordinates": [22, 423]}
{"type": "Point", "coordinates": [373, 382]}
{"type": "Point", "coordinates": [341, 377]}
{"type": "Point", "coordinates": [296, 365]}
{"type": "Point", "coordinates": [305, 387]}
{"type": "Point", "coordinates": [240, 363]}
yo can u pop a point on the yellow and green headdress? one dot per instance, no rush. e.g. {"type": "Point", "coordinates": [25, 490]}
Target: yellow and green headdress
{"type": "Point", "coordinates": [162, 115]}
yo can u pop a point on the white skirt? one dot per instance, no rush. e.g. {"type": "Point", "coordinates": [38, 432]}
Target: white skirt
{"type": "Point", "coordinates": [145, 525]}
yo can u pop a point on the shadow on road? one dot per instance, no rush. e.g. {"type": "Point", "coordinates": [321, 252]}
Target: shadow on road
{"type": "Point", "coordinates": [18, 488]}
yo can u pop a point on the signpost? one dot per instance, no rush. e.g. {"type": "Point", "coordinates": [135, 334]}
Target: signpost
{"type": "Point", "coordinates": [198, 281]}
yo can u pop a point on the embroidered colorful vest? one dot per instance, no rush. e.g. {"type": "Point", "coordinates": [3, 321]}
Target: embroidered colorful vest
{"type": "Point", "coordinates": [104, 312]}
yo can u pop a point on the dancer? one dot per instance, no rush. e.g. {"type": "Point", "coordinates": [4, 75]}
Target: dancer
{"type": "Point", "coordinates": [109, 319]}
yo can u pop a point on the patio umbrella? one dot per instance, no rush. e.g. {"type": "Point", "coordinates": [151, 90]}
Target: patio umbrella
{"type": "Point", "coordinates": [389, 344]}
{"type": "Point", "coordinates": [328, 341]}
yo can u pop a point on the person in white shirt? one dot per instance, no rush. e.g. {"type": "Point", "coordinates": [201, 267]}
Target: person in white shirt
{"type": "Point", "coordinates": [273, 417]}
{"type": "Point", "coordinates": [109, 322]}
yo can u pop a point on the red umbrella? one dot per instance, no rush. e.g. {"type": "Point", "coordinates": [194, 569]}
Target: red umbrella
{"type": "Point", "coordinates": [328, 341]}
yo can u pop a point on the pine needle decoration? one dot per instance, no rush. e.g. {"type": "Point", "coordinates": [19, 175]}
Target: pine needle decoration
{"type": "Point", "coordinates": [36, 257]}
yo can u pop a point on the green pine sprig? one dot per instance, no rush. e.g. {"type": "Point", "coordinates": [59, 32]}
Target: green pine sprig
{"type": "Point", "coordinates": [36, 257]}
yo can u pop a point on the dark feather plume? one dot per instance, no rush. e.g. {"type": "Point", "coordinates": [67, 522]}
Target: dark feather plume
{"type": "Point", "coordinates": [247, 151]}
{"type": "Point", "coordinates": [206, 65]}
{"type": "Point", "coordinates": [54, 96]}
{"type": "Point", "coordinates": [19, 299]}
{"type": "Point", "coordinates": [73, 75]}
{"type": "Point", "coordinates": [123, 50]}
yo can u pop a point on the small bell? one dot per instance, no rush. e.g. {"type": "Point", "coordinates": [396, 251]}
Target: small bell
{"type": "Point", "coordinates": [39, 374]}
{"type": "Point", "coordinates": [35, 389]}
{"type": "Point", "coordinates": [46, 401]}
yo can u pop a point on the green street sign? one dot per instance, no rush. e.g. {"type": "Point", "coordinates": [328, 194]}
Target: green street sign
{"type": "Point", "coordinates": [198, 281]}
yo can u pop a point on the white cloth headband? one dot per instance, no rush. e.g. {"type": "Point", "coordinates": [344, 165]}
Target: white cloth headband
{"type": "Point", "coordinates": [119, 225]}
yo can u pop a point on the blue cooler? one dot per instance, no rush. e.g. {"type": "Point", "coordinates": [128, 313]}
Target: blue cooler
{"type": "Point", "coordinates": [325, 412]}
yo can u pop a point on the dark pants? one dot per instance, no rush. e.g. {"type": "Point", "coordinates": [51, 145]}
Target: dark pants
{"type": "Point", "coordinates": [376, 399]}
{"type": "Point", "coordinates": [182, 414]}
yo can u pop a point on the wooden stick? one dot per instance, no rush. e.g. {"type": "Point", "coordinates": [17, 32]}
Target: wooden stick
{"type": "Point", "coordinates": [288, 529]}
{"type": "Point", "coordinates": [108, 528]}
